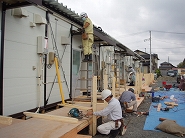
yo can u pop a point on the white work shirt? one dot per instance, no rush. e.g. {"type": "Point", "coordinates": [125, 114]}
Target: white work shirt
{"type": "Point", "coordinates": [113, 110]}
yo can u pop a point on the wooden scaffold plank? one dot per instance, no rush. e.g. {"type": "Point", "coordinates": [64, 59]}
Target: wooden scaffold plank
{"type": "Point", "coordinates": [75, 106]}
{"type": "Point", "coordinates": [83, 136]}
{"type": "Point", "coordinates": [51, 117]}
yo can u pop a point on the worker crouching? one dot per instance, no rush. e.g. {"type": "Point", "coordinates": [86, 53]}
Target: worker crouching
{"type": "Point", "coordinates": [112, 115]}
{"type": "Point", "coordinates": [128, 99]}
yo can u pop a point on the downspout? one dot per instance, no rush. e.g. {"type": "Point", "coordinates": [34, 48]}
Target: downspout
{"type": "Point", "coordinates": [45, 58]}
{"type": "Point", "coordinates": [2, 55]}
{"type": "Point", "coordinates": [99, 68]}
{"type": "Point", "coordinates": [71, 72]}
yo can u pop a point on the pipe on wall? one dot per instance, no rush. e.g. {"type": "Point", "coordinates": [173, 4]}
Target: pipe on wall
{"type": "Point", "coordinates": [2, 55]}
{"type": "Point", "coordinates": [45, 58]}
{"type": "Point", "coordinates": [71, 72]}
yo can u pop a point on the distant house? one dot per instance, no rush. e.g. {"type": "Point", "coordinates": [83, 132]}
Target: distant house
{"type": "Point", "coordinates": [164, 67]}
{"type": "Point", "coordinates": [146, 64]}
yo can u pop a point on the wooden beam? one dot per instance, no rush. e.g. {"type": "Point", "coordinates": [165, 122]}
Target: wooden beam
{"type": "Point", "coordinates": [105, 82]}
{"type": "Point", "coordinates": [113, 86]}
{"type": "Point", "coordinates": [75, 106]}
{"type": "Point", "coordinates": [171, 103]}
{"type": "Point", "coordinates": [74, 102]}
{"type": "Point", "coordinates": [80, 102]}
{"type": "Point", "coordinates": [83, 136]}
{"type": "Point", "coordinates": [5, 120]}
{"type": "Point", "coordinates": [52, 117]}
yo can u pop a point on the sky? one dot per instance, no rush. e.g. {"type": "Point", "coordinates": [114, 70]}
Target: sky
{"type": "Point", "coordinates": [131, 21]}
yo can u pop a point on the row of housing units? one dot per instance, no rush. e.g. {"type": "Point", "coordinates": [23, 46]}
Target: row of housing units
{"type": "Point", "coordinates": [32, 31]}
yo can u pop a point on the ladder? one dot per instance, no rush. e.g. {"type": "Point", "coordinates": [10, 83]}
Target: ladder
{"type": "Point", "coordinates": [109, 69]}
{"type": "Point", "coordinates": [117, 69]}
{"type": "Point", "coordinates": [113, 67]}
{"type": "Point", "coordinates": [85, 75]}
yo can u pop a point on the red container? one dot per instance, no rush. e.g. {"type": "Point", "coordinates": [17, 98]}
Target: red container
{"type": "Point", "coordinates": [164, 82]}
{"type": "Point", "coordinates": [168, 87]}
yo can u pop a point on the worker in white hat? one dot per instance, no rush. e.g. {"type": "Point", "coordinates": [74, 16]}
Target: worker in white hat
{"type": "Point", "coordinates": [130, 70]}
{"type": "Point", "coordinates": [87, 37]}
{"type": "Point", "coordinates": [113, 114]}
{"type": "Point", "coordinates": [132, 79]}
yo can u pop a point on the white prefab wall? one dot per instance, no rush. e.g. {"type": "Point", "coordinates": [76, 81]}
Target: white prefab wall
{"type": "Point", "coordinates": [20, 57]}
{"type": "Point", "coordinates": [56, 31]}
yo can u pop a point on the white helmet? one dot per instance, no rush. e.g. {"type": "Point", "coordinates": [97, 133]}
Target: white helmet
{"type": "Point", "coordinates": [83, 14]}
{"type": "Point", "coordinates": [105, 94]}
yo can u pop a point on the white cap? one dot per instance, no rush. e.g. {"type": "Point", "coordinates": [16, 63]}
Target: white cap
{"type": "Point", "coordinates": [105, 94]}
{"type": "Point", "coordinates": [131, 89]}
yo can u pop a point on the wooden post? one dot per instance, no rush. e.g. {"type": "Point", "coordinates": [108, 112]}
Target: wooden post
{"type": "Point", "coordinates": [137, 83]}
{"type": "Point", "coordinates": [105, 82]}
{"type": "Point", "coordinates": [113, 86]}
{"type": "Point", "coordinates": [93, 125]}
{"type": "Point", "coordinates": [140, 82]}
{"type": "Point", "coordinates": [152, 78]}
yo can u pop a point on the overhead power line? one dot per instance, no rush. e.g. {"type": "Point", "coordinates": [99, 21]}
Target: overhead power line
{"type": "Point", "coordinates": [158, 48]}
{"type": "Point", "coordinates": [128, 35]}
{"type": "Point", "coordinates": [168, 32]}
{"type": "Point", "coordinates": [168, 42]}
{"type": "Point", "coordinates": [168, 48]}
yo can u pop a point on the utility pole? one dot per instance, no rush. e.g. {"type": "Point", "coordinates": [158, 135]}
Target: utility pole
{"type": "Point", "coordinates": [150, 54]}
{"type": "Point", "coordinates": [150, 39]}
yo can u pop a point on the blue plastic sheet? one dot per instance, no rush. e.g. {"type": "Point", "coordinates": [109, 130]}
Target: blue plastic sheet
{"type": "Point", "coordinates": [177, 113]}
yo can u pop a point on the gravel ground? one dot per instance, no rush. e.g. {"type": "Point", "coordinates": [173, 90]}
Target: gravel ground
{"type": "Point", "coordinates": [136, 125]}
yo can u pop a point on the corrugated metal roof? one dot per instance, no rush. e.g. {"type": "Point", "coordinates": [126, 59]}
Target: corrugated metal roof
{"type": "Point", "coordinates": [19, 3]}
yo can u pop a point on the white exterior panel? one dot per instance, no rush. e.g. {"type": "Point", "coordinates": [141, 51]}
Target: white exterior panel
{"type": "Point", "coordinates": [20, 57]}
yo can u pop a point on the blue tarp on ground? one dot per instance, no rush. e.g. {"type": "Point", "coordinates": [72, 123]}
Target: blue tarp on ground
{"type": "Point", "coordinates": [177, 113]}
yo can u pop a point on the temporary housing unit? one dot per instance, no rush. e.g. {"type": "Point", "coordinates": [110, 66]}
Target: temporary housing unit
{"type": "Point", "coordinates": [41, 55]}
{"type": "Point", "coordinates": [146, 64]}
